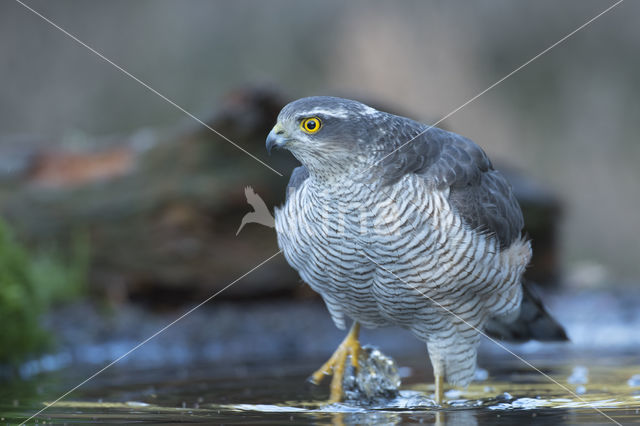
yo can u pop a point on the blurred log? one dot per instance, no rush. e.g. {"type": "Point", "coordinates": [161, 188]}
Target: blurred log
{"type": "Point", "coordinates": [162, 209]}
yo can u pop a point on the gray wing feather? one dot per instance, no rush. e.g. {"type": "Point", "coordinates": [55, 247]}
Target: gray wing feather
{"type": "Point", "coordinates": [533, 323]}
{"type": "Point", "coordinates": [481, 195]}
{"type": "Point", "coordinates": [299, 175]}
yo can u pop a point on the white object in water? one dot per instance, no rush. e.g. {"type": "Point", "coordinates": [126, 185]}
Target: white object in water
{"type": "Point", "coordinates": [579, 376]}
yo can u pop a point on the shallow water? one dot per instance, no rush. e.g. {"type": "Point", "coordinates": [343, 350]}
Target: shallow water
{"type": "Point", "coordinates": [238, 364]}
{"type": "Point", "coordinates": [278, 393]}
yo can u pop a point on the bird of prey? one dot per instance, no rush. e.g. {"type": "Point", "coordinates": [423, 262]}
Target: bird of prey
{"type": "Point", "coordinates": [260, 213]}
{"type": "Point", "coordinates": [425, 235]}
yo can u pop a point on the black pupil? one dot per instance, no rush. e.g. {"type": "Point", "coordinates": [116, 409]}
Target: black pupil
{"type": "Point", "coordinates": [311, 124]}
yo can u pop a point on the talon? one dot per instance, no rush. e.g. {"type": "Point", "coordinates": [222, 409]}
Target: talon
{"type": "Point", "coordinates": [335, 366]}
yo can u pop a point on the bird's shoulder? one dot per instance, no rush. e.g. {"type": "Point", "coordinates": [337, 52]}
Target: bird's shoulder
{"type": "Point", "coordinates": [299, 175]}
{"type": "Point", "coordinates": [445, 160]}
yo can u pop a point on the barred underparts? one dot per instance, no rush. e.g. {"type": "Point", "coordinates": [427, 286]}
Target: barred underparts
{"type": "Point", "coordinates": [424, 235]}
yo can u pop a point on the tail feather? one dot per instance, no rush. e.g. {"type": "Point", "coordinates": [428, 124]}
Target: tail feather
{"type": "Point", "coordinates": [533, 322]}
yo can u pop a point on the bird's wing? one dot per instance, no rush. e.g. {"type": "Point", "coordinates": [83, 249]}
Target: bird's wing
{"type": "Point", "coordinates": [298, 176]}
{"type": "Point", "coordinates": [534, 322]}
{"type": "Point", "coordinates": [480, 195]}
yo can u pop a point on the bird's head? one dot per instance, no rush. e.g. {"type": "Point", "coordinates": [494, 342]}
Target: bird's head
{"type": "Point", "coordinates": [330, 136]}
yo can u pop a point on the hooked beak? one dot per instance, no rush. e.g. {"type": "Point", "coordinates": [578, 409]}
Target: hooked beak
{"type": "Point", "coordinates": [276, 138]}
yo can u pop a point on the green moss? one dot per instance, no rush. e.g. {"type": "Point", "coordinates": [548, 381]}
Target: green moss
{"type": "Point", "coordinates": [29, 284]}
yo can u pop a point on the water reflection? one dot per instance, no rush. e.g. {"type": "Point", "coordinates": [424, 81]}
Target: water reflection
{"type": "Point", "coordinates": [257, 393]}
{"type": "Point", "coordinates": [438, 418]}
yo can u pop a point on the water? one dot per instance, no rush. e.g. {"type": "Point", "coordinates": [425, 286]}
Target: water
{"type": "Point", "coordinates": [279, 394]}
{"type": "Point", "coordinates": [250, 365]}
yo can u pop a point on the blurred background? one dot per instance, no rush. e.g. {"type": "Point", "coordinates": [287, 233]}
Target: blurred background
{"type": "Point", "coordinates": [118, 211]}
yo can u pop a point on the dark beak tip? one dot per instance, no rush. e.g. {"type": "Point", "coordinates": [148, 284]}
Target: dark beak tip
{"type": "Point", "coordinates": [270, 144]}
{"type": "Point", "coordinates": [273, 141]}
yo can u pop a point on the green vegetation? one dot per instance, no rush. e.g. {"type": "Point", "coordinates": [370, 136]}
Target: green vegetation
{"type": "Point", "coordinates": [30, 283]}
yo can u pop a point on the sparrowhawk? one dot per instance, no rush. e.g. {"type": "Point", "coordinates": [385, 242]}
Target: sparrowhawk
{"type": "Point", "coordinates": [425, 235]}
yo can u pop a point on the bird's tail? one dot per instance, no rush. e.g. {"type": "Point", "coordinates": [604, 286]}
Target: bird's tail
{"type": "Point", "coordinates": [533, 322]}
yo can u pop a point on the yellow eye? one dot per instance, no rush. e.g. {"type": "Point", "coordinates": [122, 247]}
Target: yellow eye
{"type": "Point", "coordinates": [310, 125]}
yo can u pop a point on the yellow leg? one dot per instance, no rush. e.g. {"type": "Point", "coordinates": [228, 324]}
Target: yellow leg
{"type": "Point", "coordinates": [439, 394]}
{"type": "Point", "coordinates": [336, 364]}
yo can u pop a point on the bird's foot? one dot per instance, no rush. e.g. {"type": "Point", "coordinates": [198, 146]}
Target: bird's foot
{"type": "Point", "coordinates": [336, 365]}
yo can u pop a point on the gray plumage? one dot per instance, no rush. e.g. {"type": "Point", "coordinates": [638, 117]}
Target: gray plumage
{"type": "Point", "coordinates": [532, 323]}
{"type": "Point", "coordinates": [427, 237]}
{"type": "Point", "coordinates": [298, 176]}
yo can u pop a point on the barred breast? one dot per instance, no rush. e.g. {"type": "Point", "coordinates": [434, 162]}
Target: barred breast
{"type": "Point", "coordinates": [401, 255]}
{"type": "Point", "coordinates": [318, 232]}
